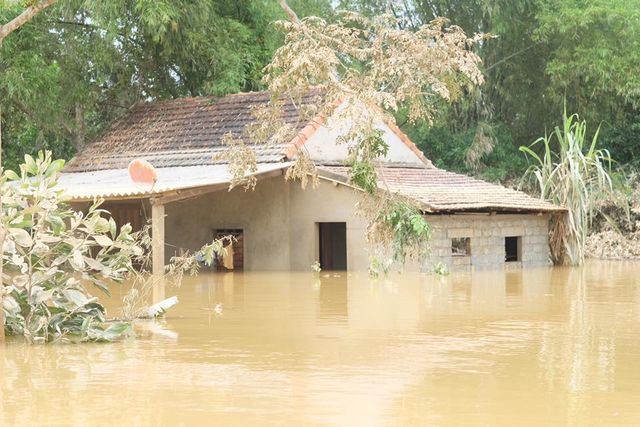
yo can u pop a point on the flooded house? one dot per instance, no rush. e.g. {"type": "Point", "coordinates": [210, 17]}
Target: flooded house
{"type": "Point", "coordinates": [279, 225]}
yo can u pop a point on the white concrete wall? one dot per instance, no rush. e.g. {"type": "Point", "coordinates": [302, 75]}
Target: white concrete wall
{"type": "Point", "coordinates": [263, 214]}
{"type": "Point", "coordinates": [329, 202]}
{"type": "Point", "coordinates": [279, 219]}
{"type": "Point", "coordinates": [323, 146]}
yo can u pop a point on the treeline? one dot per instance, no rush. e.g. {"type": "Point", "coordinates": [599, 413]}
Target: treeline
{"type": "Point", "coordinates": [544, 54]}
{"type": "Point", "coordinates": [81, 64]}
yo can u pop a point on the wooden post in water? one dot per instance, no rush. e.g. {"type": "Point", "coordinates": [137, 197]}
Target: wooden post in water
{"type": "Point", "coordinates": [157, 249]}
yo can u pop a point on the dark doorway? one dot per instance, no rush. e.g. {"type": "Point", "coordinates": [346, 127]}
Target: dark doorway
{"type": "Point", "coordinates": [333, 245]}
{"type": "Point", "coordinates": [233, 242]}
{"type": "Point", "coordinates": [512, 249]}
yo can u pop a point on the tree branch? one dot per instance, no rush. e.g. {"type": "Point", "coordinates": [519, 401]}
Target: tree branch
{"type": "Point", "coordinates": [23, 18]}
{"type": "Point", "coordinates": [293, 17]}
{"type": "Point", "coordinates": [73, 23]}
{"type": "Point", "coordinates": [508, 57]}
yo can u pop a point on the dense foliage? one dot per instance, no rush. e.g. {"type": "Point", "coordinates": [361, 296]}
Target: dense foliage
{"type": "Point", "coordinates": [49, 252]}
{"type": "Point", "coordinates": [363, 71]}
{"type": "Point", "coordinates": [80, 64]}
{"type": "Point", "coordinates": [543, 52]}
{"type": "Point", "coordinates": [53, 254]}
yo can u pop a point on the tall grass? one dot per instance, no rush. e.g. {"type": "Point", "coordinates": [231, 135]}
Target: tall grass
{"type": "Point", "coordinates": [572, 172]}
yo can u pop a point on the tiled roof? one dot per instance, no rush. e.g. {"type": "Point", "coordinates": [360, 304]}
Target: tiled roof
{"type": "Point", "coordinates": [442, 191]}
{"type": "Point", "coordinates": [188, 132]}
{"type": "Point", "coordinates": [180, 132]}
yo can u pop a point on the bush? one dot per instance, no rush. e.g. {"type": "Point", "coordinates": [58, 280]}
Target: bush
{"type": "Point", "coordinates": [52, 254]}
{"type": "Point", "coordinates": [48, 253]}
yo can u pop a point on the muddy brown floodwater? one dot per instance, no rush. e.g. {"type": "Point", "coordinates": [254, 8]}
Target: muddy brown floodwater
{"type": "Point", "coordinates": [534, 347]}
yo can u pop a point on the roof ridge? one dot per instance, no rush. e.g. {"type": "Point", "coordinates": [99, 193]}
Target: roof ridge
{"type": "Point", "coordinates": [195, 98]}
{"type": "Point", "coordinates": [228, 95]}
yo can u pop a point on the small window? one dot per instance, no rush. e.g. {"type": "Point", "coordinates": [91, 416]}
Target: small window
{"type": "Point", "coordinates": [461, 246]}
{"type": "Point", "coordinates": [513, 248]}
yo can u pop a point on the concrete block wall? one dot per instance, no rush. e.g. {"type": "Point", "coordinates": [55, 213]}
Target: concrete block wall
{"type": "Point", "coordinates": [487, 236]}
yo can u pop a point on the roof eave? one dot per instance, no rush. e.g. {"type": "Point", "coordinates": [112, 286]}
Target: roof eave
{"type": "Point", "coordinates": [434, 209]}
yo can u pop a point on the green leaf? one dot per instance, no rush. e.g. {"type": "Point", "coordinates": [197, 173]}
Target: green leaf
{"type": "Point", "coordinates": [76, 297]}
{"type": "Point", "coordinates": [57, 224]}
{"type": "Point", "coordinates": [43, 296]}
{"type": "Point", "coordinates": [11, 175]}
{"type": "Point", "coordinates": [112, 228]}
{"type": "Point", "coordinates": [113, 332]}
{"type": "Point", "coordinates": [30, 165]}
{"type": "Point", "coordinates": [93, 263]}
{"type": "Point", "coordinates": [103, 240]}
{"type": "Point", "coordinates": [54, 167]}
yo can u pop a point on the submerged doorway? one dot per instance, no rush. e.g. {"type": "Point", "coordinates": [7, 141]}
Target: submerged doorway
{"type": "Point", "coordinates": [333, 245]}
{"type": "Point", "coordinates": [233, 259]}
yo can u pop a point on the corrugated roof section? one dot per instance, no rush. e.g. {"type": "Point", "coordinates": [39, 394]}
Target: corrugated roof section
{"type": "Point", "coordinates": [442, 191]}
{"type": "Point", "coordinates": [116, 183]}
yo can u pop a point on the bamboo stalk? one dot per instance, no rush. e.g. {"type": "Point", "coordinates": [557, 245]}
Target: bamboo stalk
{"type": "Point", "coordinates": [157, 250]}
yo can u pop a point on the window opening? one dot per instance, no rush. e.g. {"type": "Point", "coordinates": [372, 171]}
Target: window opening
{"type": "Point", "coordinates": [513, 248]}
{"type": "Point", "coordinates": [461, 246]}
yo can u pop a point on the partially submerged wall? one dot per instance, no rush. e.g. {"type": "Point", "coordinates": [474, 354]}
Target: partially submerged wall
{"type": "Point", "coordinates": [263, 215]}
{"type": "Point", "coordinates": [280, 224]}
{"type": "Point", "coordinates": [487, 235]}
{"type": "Point", "coordinates": [329, 202]}
{"type": "Point", "coordinates": [279, 220]}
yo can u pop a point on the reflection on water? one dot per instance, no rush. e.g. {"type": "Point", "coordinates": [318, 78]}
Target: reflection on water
{"type": "Point", "coordinates": [532, 347]}
{"type": "Point", "coordinates": [334, 296]}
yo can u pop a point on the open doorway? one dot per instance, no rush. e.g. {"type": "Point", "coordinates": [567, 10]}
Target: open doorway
{"type": "Point", "coordinates": [233, 259]}
{"type": "Point", "coordinates": [333, 245]}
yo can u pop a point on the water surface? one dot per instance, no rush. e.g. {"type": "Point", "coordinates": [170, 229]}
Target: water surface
{"type": "Point", "coordinates": [552, 346]}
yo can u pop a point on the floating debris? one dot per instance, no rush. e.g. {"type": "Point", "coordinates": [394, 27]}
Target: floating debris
{"type": "Point", "coordinates": [218, 309]}
{"type": "Point", "coordinates": [161, 307]}
{"type": "Point", "coordinates": [610, 244]}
